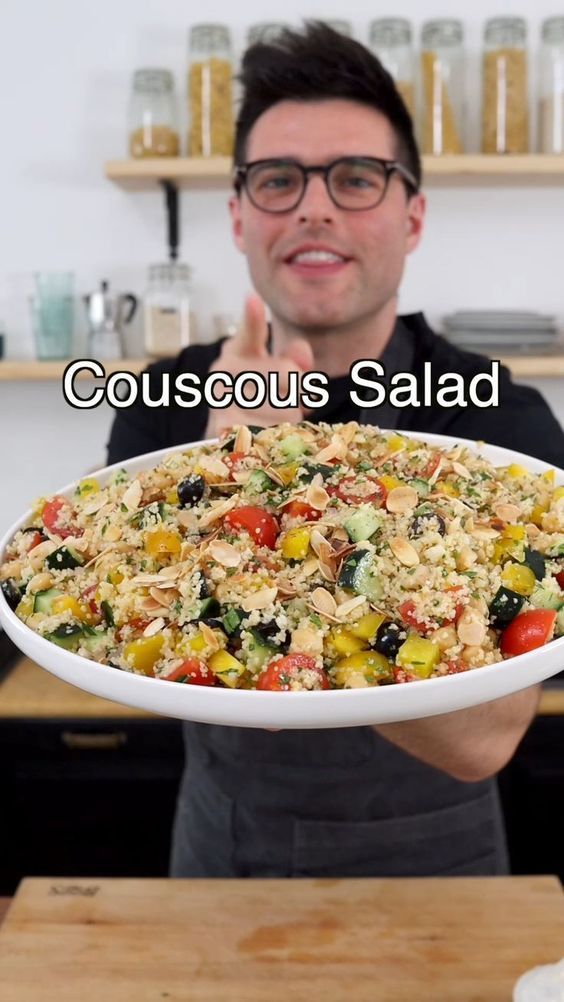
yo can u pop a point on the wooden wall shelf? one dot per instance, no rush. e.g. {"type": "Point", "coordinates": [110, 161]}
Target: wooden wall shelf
{"type": "Point", "coordinates": [466, 169]}
{"type": "Point", "coordinates": [32, 371]}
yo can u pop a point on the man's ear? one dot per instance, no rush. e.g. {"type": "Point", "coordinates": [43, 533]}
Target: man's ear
{"type": "Point", "coordinates": [414, 221]}
{"type": "Point", "coordinates": [236, 222]}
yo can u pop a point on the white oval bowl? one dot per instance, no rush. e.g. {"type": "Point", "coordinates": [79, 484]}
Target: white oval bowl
{"type": "Point", "coordinates": [253, 708]}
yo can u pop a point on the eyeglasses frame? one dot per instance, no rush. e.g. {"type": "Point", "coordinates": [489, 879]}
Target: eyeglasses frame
{"type": "Point", "coordinates": [240, 172]}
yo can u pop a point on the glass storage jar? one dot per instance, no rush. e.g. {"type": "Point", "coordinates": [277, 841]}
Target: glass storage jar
{"type": "Point", "coordinates": [152, 115]}
{"type": "Point", "coordinates": [265, 31]}
{"type": "Point", "coordinates": [167, 309]}
{"type": "Point", "coordinates": [390, 39]}
{"type": "Point", "coordinates": [505, 96]}
{"type": "Point", "coordinates": [210, 89]}
{"type": "Point", "coordinates": [442, 72]}
{"type": "Point", "coordinates": [551, 86]}
{"type": "Point", "coordinates": [343, 27]}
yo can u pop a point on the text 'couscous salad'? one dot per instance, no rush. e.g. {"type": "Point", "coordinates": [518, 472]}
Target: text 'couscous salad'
{"type": "Point", "coordinates": [297, 557]}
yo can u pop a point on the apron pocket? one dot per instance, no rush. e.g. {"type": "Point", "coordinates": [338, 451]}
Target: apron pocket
{"type": "Point", "coordinates": [202, 836]}
{"type": "Point", "coordinates": [446, 840]}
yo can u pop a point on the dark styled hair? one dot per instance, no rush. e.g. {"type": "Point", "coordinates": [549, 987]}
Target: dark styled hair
{"type": "Point", "coordinates": [315, 64]}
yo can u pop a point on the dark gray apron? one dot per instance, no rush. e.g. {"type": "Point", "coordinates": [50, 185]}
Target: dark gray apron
{"type": "Point", "coordinates": [340, 802]}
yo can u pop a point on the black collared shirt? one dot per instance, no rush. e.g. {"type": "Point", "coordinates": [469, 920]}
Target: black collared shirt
{"type": "Point", "coordinates": [523, 420]}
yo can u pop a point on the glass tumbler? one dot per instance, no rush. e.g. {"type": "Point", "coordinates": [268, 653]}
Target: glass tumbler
{"type": "Point", "coordinates": [52, 310]}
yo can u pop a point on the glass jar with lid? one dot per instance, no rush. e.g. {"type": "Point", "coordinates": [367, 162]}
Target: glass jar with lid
{"type": "Point", "coordinates": [390, 39]}
{"type": "Point", "coordinates": [442, 72]}
{"type": "Point", "coordinates": [551, 86]}
{"type": "Point", "coordinates": [505, 96]}
{"type": "Point", "coordinates": [265, 31]}
{"type": "Point", "coordinates": [343, 27]}
{"type": "Point", "coordinates": [152, 115]}
{"type": "Point", "coordinates": [210, 89]}
{"type": "Point", "coordinates": [167, 309]}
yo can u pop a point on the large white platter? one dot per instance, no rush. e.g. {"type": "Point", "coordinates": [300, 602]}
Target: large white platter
{"type": "Point", "coordinates": [253, 708]}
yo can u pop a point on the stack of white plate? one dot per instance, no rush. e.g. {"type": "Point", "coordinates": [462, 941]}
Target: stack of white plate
{"type": "Point", "coordinates": [502, 330]}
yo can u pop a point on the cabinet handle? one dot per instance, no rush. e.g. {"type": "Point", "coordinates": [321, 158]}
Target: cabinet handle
{"type": "Point", "coordinates": [98, 742]}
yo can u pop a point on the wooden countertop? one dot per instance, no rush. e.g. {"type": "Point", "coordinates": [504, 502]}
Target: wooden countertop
{"type": "Point", "coordinates": [370, 940]}
{"type": "Point", "coordinates": [29, 691]}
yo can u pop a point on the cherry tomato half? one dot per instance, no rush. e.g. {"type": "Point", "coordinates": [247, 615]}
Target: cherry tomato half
{"type": "Point", "coordinates": [299, 509]}
{"type": "Point", "coordinates": [193, 671]}
{"type": "Point", "coordinates": [57, 517]}
{"type": "Point", "coordinates": [278, 674]}
{"type": "Point", "coordinates": [407, 613]}
{"type": "Point", "coordinates": [234, 460]}
{"type": "Point", "coordinates": [261, 526]}
{"type": "Point", "coordinates": [560, 578]}
{"type": "Point", "coordinates": [529, 630]}
{"type": "Point", "coordinates": [351, 490]}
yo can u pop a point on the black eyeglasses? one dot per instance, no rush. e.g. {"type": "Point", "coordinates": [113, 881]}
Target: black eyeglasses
{"type": "Point", "coordinates": [353, 183]}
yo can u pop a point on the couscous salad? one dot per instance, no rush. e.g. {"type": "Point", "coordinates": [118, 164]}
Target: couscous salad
{"type": "Point", "coordinates": [297, 557]}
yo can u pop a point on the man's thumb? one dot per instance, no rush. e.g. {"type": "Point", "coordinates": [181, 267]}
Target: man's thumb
{"type": "Point", "coordinates": [300, 352]}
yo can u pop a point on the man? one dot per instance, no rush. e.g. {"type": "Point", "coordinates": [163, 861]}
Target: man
{"type": "Point", "coordinates": [326, 249]}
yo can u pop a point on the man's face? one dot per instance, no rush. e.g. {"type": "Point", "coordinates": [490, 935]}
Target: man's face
{"type": "Point", "coordinates": [371, 244]}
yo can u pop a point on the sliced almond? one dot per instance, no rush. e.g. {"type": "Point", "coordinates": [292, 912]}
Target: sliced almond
{"type": "Point", "coordinates": [243, 440]}
{"type": "Point", "coordinates": [327, 571]}
{"type": "Point", "coordinates": [404, 551]}
{"type": "Point", "coordinates": [401, 500]}
{"type": "Point", "coordinates": [309, 567]}
{"type": "Point", "coordinates": [209, 636]}
{"type": "Point", "coordinates": [317, 541]}
{"type": "Point", "coordinates": [259, 599]}
{"type": "Point", "coordinates": [437, 471]}
{"type": "Point", "coordinates": [317, 497]}
{"type": "Point", "coordinates": [481, 531]}
{"type": "Point", "coordinates": [337, 449]}
{"type": "Point", "coordinates": [39, 582]}
{"type": "Point", "coordinates": [149, 605]}
{"type": "Point", "coordinates": [532, 530]}
{"type": "Point", "coordinates": [132, 496]}
{"type": "Point", "coordinates": [168, 573]}
{"type": "Point", "coordinates": [187, 519]}
{"type": "Point", "coordinates": [113, 533]}
{"type": "Point", "coordinates": [508, 512]}
{"type": "Point", "coordinates": [339, 535]}
{"type": "Point", "coordinates": [348, 431]}
{"type": "Point", "coordinates": [216, 511]}
{"type": "Point", "coordinates": [349, 606]}
{"type": "Point", "coordinates": [275, 476]}
{"type": "Point", "coordinates": [465, 559]}
{"type": "Point", "coordinates": [462, 470]}
{"type": "Point", "coordinates": [95, 504]}
{"type": "Point", "coordinates": [224, 553]}
{"type": "Point", "coordinates": [166, 596]}
{"type": "Point", "coordinates": [213, 468]}
{"type": "Point", "coordinates": [323, 601]}
{"type": "Point", "coordinates": [155, 627]}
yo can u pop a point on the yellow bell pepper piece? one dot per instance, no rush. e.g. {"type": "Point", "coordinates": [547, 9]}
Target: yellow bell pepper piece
{"type": "Point", "coordinates": [518, 578]}
{"type": "Point", "coordinates": [396, 443]}
{"type": "Point", "coordinates": [115, 577]}
{"type": "Point", "coordinates": [344, 642]}
{"type": "Point", "coordinates": [25, 607]}
{"type": "Point", "coordinates": [558, 493]}
{"type": "Point", "coordinates": [367, 626]}
{"type": "Point", "coordinates": [419, 656]}
{"type": "Point", "coordinates": [367, 666]}
{"type": "Point", "coordinates": [143, 653]}
{"type": "Point", "coordinates": [504, 549]}
{"type": "Point", "coordinates": [548, 476]}
{"type": "Point", "coordinates": [226, 667]}
{"type": "Point", "coordinates": [287, 472]}
{"type": "Point", "coordinates": [66, 603]}
{"type": "Point", "coordinates": [447, 488]}
{"type": "Point", "coordinates": [389, 482]}
{"type": "Point", "coordinates": [88, 486]}
{"type": "Point", "coordinates": [516, 470]}
{"type": "Point", "coordinates": [295, 543]}
{"type": "Point", "coordinates": [537, 513]}
{"type": "Point", "coordinates": [161, 542]}
{"type": "Point", "coordinates": [517, 532]}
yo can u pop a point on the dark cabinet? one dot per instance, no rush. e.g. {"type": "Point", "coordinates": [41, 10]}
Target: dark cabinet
{"type": "Point", "coordinates": [87, 797]}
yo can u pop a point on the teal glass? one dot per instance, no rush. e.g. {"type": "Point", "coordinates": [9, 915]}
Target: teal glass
{"type": "Point", "coordinates": [52, 310]}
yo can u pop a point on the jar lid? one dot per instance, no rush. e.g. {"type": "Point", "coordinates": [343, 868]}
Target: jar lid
{"type": "Point", "coordinates": [153, 80]}
{"type": "Point", "coordinates": [386, 31]}
{"type": "Point", "coordinates": [552, 30]}
{"type": "Point", "coordinates": [265, 31]}
{"type": "Point", "coordinates": [209, 37]}
{"type": "Point", "coordinates": [505, 30]}
{"type": "Point", "coordinates": [442, 31]}
{"type": "Point", "coordinates": [169, 272]}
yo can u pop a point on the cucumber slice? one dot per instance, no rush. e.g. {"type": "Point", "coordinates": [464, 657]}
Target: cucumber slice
{"type": "Point", "coordinates": [107, 613]}
{"type": "Point", "coordinates": [536, 562]}
{"type": "Point", "coordinates": [64, 559]}
{"type": "Point", "coordinates": [293, 446]}
{"type": "Point", "coordinates": [258, 482]}
{"type": "Point", "coordinates": [312, 468]}
{"type": "Point", "coordinates": [544, 598]}
{"type": "Point", "coordinates": [363, 523]}
{"type": "Point", "coordinates": [559, 628]}
{"type": "Point", "coordinates": [259, 651]}
{"type": "Point", "coordinates": [44, 600]}
{"type": "Point", "coordinates": [95, 640]}
{"type": "Point", "coordinates": [359, 574]}
{"type": "Point", "coordinates": [68, 635]}
{"type": "Point", "coordinates": [504, 606]}
{"type": "Point", "coordinates": [232, 620]}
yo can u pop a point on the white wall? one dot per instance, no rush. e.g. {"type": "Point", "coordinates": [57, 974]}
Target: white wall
{"type": "Point", "coordinates": [64, 81]}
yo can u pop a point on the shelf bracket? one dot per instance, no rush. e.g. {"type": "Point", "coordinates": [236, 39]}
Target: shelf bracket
{"type": "Point", "coordinates": [172, 217]}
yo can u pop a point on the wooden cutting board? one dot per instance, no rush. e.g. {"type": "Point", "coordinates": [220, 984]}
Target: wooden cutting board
{"type": "Point", "coordinates": [438, 940]}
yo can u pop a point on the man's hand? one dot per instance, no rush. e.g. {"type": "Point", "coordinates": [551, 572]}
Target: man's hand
{"type": "Point", "coordinates": [247, 352]}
